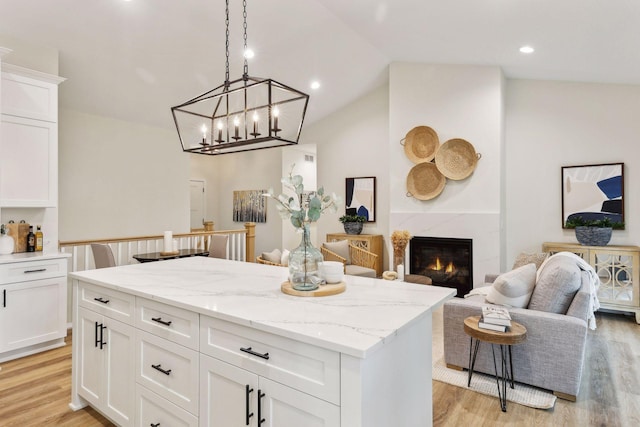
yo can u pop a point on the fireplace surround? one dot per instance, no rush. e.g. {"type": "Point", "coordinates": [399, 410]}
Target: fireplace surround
{"type": "Point", "coordinates": [447, 261]}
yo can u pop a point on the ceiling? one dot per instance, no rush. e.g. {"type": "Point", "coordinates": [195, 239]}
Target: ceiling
{"type": "Point", "coordinates": [135, 59]}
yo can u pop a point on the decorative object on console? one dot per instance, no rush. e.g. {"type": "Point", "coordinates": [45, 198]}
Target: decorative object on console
{"type": "Point", "coordinates": [303, 209]}
{"type": "Point", "coordinates": [593, 232]}
{"type": "Point", "coordinates": [360, 197]}
{"type": "Point", "coordinates": [420, 144]}
{"type": "Point", "coordinates": [593, 192]}
{"type": "Point", "coordinates": [245, 114]}
{"type": "Point", "coordinates": [352, 223]}
{"type": "Point", "coordinates": [399, 240]}
{"type": "Point", "coordinates": [457, 159]}
{"type": "Point", "coordinates": [249, 206]}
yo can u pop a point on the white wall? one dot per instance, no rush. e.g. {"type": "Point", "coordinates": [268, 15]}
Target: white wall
{"type": "Point", "coordinates": [350, 143]}
{"type": "Point", "coordinates": [555, 124]}
{"type": "Point", "coordinates": [252, 170]}
{"type": "Point", "coordinates": [119, 179]}
{"type": "Point", "coordinates": [457, 101]}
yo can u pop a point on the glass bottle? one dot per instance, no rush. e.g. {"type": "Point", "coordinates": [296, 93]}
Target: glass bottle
{"type": "Point", "coordinates": [31, 240]}
{"type": "Point", "coordinates": [304, 264]}
{"type": "Point", "coordinates": [39, 238]}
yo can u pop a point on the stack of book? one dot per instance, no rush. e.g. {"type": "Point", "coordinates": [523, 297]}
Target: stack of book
{"type": "Point", "coordinates": [495, 318]}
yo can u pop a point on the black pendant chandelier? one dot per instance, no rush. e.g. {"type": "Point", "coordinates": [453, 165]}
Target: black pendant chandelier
{"type": "Point", "coordinates": [246, 114]}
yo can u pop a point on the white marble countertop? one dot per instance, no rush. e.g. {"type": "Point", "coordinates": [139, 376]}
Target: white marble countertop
{"type": "Point", "coordinates": [368, 314]}
{"type": "Point", "coordinates": [31, 256]}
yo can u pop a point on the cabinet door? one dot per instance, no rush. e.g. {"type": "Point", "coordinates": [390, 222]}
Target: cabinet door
{"type": "Point", "coordinates": [282, 406]}
{"type": "Point", "coordinates": [106, 374]}
{"type": "Point", "coordinates": [228, 394]}
{"type": "Point", "coordinates": [90, 365]}
{"type": "Point", "coordinates": [28, 162]}
{"type": "Point", "coordinates": [119, 372]}
{"type": "Point", "coordinates": [32, 313]}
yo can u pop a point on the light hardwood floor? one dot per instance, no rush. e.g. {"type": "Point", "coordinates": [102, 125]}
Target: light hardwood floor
{"type": "Point", "coordinates": [35, 390]}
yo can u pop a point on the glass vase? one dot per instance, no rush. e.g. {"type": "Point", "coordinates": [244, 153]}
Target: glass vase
{"type": "Point", "coordinates": [398, 257]}
{"type": "Point", "coordinates": [304, 264]}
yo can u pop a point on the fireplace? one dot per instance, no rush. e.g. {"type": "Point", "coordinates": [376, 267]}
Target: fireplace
{"type": "Point", "coordinates": [447, 261]}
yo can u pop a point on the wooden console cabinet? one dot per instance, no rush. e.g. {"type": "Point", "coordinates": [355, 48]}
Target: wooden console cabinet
{"type": "Point", "coordinates": [370, 242]}
{"type": "Point", "coordinates": [618, 268]}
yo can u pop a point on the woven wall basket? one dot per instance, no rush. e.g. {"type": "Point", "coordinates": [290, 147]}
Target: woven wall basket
{"type": "Point", "coordinates": [421, 144]}
{"type": "Point", "coordinates": [457, 159]}
{"type": "Point", "coordinates": [425, 182]}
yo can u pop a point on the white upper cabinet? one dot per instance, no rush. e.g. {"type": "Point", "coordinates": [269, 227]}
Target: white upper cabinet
{"type": "Point", "coordinates": [28, 138]}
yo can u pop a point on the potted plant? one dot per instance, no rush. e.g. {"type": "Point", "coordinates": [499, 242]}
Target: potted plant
{"type": "Point", "coordinates": [352, 223]}
{"type": "Point", "coordinates": [593, 232]}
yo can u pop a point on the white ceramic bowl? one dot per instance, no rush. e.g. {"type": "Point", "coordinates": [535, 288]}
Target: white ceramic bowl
{"type": "Point", "coordinates": [332, 271]}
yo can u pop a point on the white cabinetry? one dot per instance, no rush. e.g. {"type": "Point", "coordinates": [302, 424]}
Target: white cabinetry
{"type": "Point", "coordinates": [33, 306]}
{"type": "Point", "coordinates": [105, 352]}
{"type": "Point", "coordinates": [232, 396]}
{"type": "Point", "coordinates": [28, 138]}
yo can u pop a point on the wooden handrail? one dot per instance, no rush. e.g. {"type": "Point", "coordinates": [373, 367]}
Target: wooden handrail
{"type": "Point", "coordinates": [241, 245]}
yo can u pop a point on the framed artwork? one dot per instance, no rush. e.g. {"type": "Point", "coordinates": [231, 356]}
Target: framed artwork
{"type": "Point", "coordinates": [593, 192]}
{"type": "Point", "coordinates": [249, 206]}
{"type": "Point", "coordinates": [360, 197]}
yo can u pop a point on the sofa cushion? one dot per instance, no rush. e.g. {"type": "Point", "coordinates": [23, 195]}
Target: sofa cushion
{"type": "Point", "coordinates": [275, 256]}
{"type": "Point", "coordinates": [525, 258]}
{"type": "Point", "coordinates": [356, 270]}
{"type": "Point", "coordinates": [558, 281]}
{"type": "Point", "coordinates": [341, 248]}
{"type": "Point", "coordinates": [514, 288]}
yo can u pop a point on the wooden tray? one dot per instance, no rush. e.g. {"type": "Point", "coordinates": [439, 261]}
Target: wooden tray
{"type": "Point", "coordinates": [322, 291]}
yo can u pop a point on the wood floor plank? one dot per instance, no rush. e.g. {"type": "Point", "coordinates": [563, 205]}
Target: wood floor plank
{"type": "Point", "coordinates": [36, 390]}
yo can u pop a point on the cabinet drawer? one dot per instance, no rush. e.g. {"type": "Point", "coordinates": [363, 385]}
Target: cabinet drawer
{"type": "Point", "coordinates": [111, 303]}
{"type": "Point", "coordinates": [175, 324]}
{"type": "Point", "coordinates": [305, 367]}
{"type": "Point", "coordinates": [32, 270]}
{"type": "Point", "coordinates": [154, 410]}
{"type": "Point", "coordinates": [168, 369]}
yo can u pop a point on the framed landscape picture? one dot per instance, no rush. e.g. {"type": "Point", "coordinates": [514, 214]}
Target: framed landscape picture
{"type": "Point", "coordinates": [249, 206]}
{"type": "Point", "coordinates": [593, 192]}
{"type": "Point", "coordinates": [360, 197]}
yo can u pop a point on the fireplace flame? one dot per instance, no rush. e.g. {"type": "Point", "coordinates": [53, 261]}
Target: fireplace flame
{"type": "Point", "coordinates": [439, 266]}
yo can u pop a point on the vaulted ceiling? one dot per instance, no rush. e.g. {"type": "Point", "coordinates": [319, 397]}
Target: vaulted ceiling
{"type": "Point", "coordinates": [135, 59]}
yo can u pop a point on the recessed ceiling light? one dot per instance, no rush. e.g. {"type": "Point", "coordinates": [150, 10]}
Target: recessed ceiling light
{"type": "Point", "coordinates": [527, 49]}
{"type": "Point", "coordinates": [315, 85]}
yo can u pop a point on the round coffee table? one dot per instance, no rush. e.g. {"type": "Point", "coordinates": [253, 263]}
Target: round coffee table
{"type": "Point", "coordinates": [516, 334]}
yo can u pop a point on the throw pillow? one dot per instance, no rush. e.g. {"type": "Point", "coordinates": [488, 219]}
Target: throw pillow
{"type": "Point", "coordinates": [284, 259]}
{"type": "Point", "coordinates": [525, 258]}
{"type": "Point", "coordinates": [274, 256]}
{"type": "Point", "coordinates": [558, 281]}
{"type": "Point", "coordinates": [341, 248]}
{"type": "Point", "coordinates": [514, 288]}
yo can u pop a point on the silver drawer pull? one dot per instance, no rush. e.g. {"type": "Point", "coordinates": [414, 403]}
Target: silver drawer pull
{"type": "Point", "coordinates": [38, 270]}
{"type": "Point", "coordinates": [248, 350]}
{"type": "Point", "coordinates": [158, 367]}
{"type": "Point", "coordinates": [163, 322]}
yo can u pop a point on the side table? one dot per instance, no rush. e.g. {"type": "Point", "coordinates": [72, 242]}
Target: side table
{"type": "Point", "coordinates": [515, 335]}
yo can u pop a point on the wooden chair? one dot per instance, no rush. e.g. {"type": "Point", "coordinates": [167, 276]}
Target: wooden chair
{"type": "Point", "coordinates": [102, 255]}
{"type": "Point", "coordinates": [362, 261]}
{"type": "Point", "coordinates": [260, 260]}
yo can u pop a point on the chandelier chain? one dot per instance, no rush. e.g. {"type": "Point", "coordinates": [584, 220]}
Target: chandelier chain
{"type": "Point", "coordinates": [226, 22]}
{"type": "Point", "coordinates": [244, 16]}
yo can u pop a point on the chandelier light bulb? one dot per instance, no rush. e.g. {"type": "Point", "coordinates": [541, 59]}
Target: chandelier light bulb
{"type": "Point", "coordinates": [527, 49]}
{"type": "Point", "coordinates": [248, 53]}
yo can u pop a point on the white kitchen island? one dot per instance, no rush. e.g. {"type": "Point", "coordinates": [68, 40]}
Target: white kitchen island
{"type": "Point", "coordinates": [210, 342]}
